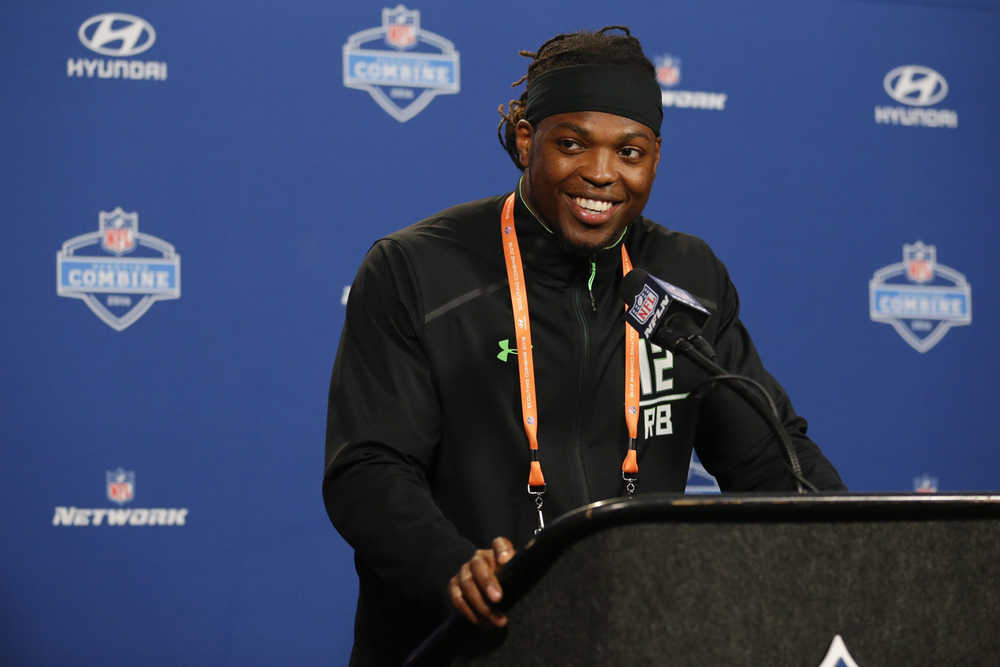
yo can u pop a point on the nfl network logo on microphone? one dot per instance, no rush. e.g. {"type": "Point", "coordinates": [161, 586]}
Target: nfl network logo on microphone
{"type": "Point", "coordinates": [645, 304]}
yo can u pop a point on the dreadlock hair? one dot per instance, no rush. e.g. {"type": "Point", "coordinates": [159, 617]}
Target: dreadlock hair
{"type": "Point", "coordinates": [576, 48]}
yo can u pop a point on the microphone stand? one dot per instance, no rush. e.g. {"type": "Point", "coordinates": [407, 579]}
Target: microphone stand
{"type": "Point", "coordinates": [697, 350]}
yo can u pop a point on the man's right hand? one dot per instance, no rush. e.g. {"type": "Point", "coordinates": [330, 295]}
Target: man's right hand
{"type": "Point", "coordinates": [475, 588]}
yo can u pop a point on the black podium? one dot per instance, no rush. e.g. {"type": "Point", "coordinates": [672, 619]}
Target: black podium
{"type": "Point", "coordinates": [884, 580]}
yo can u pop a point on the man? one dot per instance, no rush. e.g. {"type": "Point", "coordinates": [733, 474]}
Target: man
{"type": "Point", "coordinates": [488, 342]}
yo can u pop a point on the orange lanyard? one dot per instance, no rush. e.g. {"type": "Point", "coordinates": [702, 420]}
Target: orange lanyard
{"type": "Point", "coordinates": [526, 365]}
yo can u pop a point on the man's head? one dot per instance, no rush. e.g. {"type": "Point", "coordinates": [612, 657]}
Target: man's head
{"type": "Point", "coordinates": [586, 134]}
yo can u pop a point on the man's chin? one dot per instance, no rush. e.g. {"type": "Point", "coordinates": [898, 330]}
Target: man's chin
{"type": "Point", "coordinates": [586, 247]}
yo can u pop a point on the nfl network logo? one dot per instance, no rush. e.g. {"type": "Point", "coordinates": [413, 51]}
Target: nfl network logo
{"type": "Point", "coordinates": [668, 75]}
{"type": "Point", "coordinates": [921, 298]}
{"type": "Point", "coordinates": [119, 286]}
{"type": "Point", "coordinates": [120, 485]}
{"type": "Point", "coordinates": [417, 66]}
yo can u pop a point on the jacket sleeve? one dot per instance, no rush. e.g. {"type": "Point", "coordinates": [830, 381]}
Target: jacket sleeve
{"type": "Point", "coordinates": [383, 425]}
{"type": "Point", "coordinates": [734, 442]}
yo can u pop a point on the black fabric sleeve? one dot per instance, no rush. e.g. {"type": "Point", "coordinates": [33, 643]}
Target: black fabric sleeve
{"type": "Point", "coordinates": [734, 442]}
{"type": "Point", "coordinates": [383, 427]}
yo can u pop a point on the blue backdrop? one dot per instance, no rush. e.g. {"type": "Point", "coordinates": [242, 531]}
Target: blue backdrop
{"type": "Point", "coordinates": [227, 164]}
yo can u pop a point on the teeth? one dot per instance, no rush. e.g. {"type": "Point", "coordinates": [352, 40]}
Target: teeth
{"type": "Point", "coordinates": [593, 204]}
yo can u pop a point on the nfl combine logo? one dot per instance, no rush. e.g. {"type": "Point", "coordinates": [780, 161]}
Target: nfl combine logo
{"type": "Point", "coordinates": [92, 267]}
{"type": "Point", "coordinates": [921, 298]}
{"type": "Point", "coordinates": [121, 485]}
{"type": "Point", "coordinates": [403, 79]}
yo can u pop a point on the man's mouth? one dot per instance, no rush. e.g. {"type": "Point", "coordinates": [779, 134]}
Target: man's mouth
{"type": "Point", "coordinates": [596, 205]}
{"type": "Point", "coordinates": [592, 211]}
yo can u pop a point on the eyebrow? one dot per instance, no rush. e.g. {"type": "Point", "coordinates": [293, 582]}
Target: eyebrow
{"type": "Point", "coordinates": [628, 136]}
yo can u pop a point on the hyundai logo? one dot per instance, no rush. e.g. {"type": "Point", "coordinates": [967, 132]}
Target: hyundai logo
{"type": "Point", "coordinates": [915, 85]}
{"type": "Point", "coordinates": [117, 34]}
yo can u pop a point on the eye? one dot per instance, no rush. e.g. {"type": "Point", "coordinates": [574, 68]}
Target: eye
{"type": "Point", "coordinates": [630, 153]}
{"type": "Point", "coordinates": [568, 144]}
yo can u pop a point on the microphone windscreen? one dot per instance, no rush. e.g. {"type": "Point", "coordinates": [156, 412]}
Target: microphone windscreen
{"type": "Point", "coordinates": [632, 284]}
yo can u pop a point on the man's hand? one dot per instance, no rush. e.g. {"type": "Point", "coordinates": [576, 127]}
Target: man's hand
{"type": "Point", "coordinates": [475, 587]}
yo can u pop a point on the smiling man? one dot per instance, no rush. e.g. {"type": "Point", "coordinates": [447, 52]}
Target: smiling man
{"type": "Point", "coordinates": [588, 174]}
{"type": "Point", "coordinates": [488, 342]}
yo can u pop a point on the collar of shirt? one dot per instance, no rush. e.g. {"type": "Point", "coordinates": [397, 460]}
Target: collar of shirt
{"type": "Point", "coordinates": [546, 255]}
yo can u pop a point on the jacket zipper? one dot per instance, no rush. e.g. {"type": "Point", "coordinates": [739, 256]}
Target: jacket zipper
{"type": "Point", "coordinates": [585, 330]}
{"type": "Point", "coordinates": [590, 284]}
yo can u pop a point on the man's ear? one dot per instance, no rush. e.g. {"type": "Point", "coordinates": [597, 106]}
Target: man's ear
{"type": "Point", "coordinates": [656, 160]}
{"type": "Point", "coordinates": [523, 133]}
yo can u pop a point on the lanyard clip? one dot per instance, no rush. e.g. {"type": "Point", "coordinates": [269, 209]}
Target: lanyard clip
{"type": "Point", "coordinates": [630, 469]}
{"type": "Point", "coordinates": [537, 493]}
{"type": "Point", "coordinates": [631, 482]}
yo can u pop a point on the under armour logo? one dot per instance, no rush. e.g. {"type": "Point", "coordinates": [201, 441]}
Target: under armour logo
{"type": "Point", "coordinates": [505, 349]}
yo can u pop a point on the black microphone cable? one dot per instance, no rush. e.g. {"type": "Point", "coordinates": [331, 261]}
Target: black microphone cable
{"type": "Point", "coordinates": [769, 411]}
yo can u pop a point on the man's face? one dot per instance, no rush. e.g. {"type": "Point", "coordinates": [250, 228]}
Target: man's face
{"type": "Point", "coordinates": [588, 173]}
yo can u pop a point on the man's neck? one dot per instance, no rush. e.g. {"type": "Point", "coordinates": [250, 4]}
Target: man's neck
{"type": "Point", "coordinates": [527, 204]}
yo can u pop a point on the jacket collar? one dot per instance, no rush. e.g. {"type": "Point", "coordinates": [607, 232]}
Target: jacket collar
{"type": "Point", "coordinates": [544, 253]}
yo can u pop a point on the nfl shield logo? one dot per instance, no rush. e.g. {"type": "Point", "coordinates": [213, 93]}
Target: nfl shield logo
{"type": "Point", "coordinates": [121, 485]}
{"type": "Point", "coordinates": [668, 70]}
{"type": "Point", "coordinates": [645, 304]}
{"type": "Point", "coordinates": [919, 260]}
{"type": "Point", "coordinates": [401, 26]}
{"type": "Point", "coordinates": [118, 230]}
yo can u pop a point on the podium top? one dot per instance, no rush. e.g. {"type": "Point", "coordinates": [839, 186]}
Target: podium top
{"type": "Point", "coordinates": [752, 507]}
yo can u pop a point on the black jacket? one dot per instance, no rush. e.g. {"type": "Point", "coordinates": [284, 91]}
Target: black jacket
{"type": "Point", "coordinates": [426, 456]}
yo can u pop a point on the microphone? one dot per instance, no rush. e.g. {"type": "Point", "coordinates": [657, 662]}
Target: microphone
{"type": "Point", "coordinates": [672, 318]}
{"type": "Point", "coordinates": [664, 313]}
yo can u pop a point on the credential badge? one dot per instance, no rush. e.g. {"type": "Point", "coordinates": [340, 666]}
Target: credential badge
{"type": "Point", "coordinates": [118, 289]}
{"type": "Point", "coordinates": [920, 297]}
{"type": "Point", "coordinates": [406, 76]}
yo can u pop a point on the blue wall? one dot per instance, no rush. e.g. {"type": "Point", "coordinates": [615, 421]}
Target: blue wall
{"type": "Point", "coordinates": [241, 147]}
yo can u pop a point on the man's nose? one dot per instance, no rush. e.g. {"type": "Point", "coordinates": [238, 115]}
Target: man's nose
{"type": "Point", "coordinates": [599, 168]}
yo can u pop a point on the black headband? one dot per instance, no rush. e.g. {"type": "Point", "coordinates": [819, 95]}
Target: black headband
{"type": "Point", "coordinates": [624, 90]}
